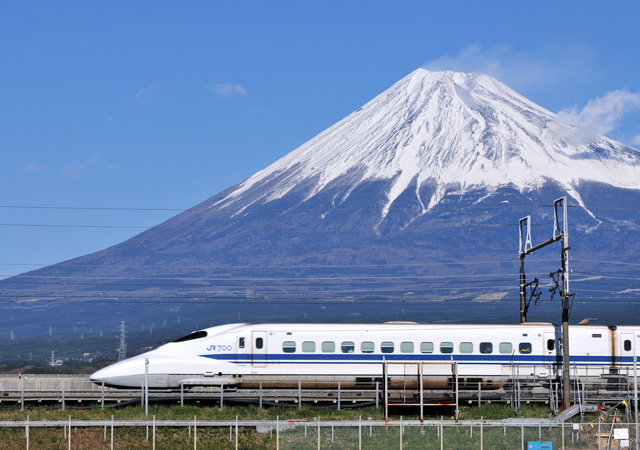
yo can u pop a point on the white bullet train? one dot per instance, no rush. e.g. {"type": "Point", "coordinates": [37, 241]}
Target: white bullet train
{"type": "Point", "coordinates": [357, 355]}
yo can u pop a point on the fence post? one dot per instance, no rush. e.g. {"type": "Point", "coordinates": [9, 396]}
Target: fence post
{"type": "Point", "coordinates": [441, 434]}
{"type": "Point", "coordinates": [360, 433]}
{"type": "Point", "coordinates": [26, 432]}
{"type": "Point", "coordinates": [221, 394]}
{"type": "Point", "coordinates": [522, 432]}
{"type": "Point", "coordinates": [102, 401]}
{"type": "Point", "coordinates": [401, 429]}
{"type": "Point", "coordinates": [63, 395]}
{"type": "Point", "coordinates": [386, 392]}
{"type": "Point", "coordinates": [261, 395]}
{"type": "Point", "coordinates": [154, 432]}
{"type": "Point", "coordinates": [338, 396]}
{"type": "Point", "coordinates": [195, 436]}
{"type": "Point", "coordinates": [377, 393]}
{"type": "Point", "coordinates": [181, 393]}
{"type": "Point", "coordinates": [481, 433]}
{"type": "Point", "coordinates": [236, 432]}
{"type": "Point", "coordinates": [277, 432]}
{"type": "Point", "coordinates": [421, 381]}
{"type": "Point", "coordinates": [111, 432]}
{"type": "Point", "coordinates": [562, 425]}
{"type": "Point", "coordinates": [146, 391]}
{"type": "Point", "coordinates": [299, 394]}
{"type": "Point", "coordinates": [22, 393]}
{"type": "Point", "coordinates": [318, 432]}
{"type": "Point", "coordinates": [69, 432]}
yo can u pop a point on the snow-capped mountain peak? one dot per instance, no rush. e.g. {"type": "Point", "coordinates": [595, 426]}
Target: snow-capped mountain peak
{"type": "Point", "coordinates": [446, 128]}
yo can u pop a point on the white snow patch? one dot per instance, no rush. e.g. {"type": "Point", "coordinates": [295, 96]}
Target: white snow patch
{"type": "Point", "coordinates": [448, 128]}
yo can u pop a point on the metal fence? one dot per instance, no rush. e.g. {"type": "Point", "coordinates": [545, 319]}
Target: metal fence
{"type": "Point", "coordinates": [360, 434]}
{"type": "Point", "coordinates": [588, 385]}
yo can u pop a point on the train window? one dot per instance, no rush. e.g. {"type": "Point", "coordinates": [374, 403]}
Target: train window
{"type": "Point", "coordinates": [596, 335]}
{"type": "Point", "coordinates": [551, 344]}
{"type": "Point", "coordinates": [426, 347]}
{"type": "Point", "coordinates": [524, 348]}
{"type": "Point", "coordinates": [446, 347]}
{"type": "Point", "coordinates": [241, 342]}
{"type": "Point", "coordinates": [406, 347]}
{"type": "Point", "coordinates": [505, 347]}
{"type": "Point", "coordinates": [308, 347]}
{"type": "Point", "coordinates": [466, 347]}
{"type": "Point", "coordinates": [367, 347]}
{"type": "Point", "coordinates": [192, 336]}
{"type": "Point", "coordinates": [386, 347]}
{"type": "Point", "coordinates": [486, 347]}
{"type": "Point", "coordinates": [627, 345]}
{"type": "Point", "coordinates": [259, 343]}
{"type": "Point", "coordinates": [348, 347]}
{"type": "Point", "coordinates": [328, 347]}
{"type": "Point", "coordinates": [289, 347]}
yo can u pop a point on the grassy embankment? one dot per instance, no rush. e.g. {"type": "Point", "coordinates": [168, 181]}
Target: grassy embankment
{"type": "Point", "coordinates": [249, 438]}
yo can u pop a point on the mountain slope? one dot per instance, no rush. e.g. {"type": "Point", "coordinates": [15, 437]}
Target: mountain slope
{"type": "Point", "coordinates": [423, 184]}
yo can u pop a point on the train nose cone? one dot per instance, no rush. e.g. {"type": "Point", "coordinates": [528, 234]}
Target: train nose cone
{"type": "Point", "coordinates": [123, 374]}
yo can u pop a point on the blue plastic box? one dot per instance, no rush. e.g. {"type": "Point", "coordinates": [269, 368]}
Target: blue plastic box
{"type": "Point", "coordinates": [540, 445]}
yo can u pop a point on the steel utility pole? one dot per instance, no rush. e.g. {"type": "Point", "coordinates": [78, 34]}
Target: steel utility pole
{"type": "Point", "coordinates": [122, 351]}
{"type": "Point", "coordinates": [567, 298]}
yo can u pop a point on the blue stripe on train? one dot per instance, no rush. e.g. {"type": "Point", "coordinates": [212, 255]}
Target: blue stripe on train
{"type": "Point", "coordinates": [332, 358]}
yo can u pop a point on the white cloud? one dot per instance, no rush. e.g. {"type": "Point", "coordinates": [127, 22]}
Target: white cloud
{"type": "Point", "coordinates": [518, 69]}
{"type": "Point", "coordinates": [550, 66]}
{"type": "Point", "coordinates": [146, 91]}
{"type": "Point", "coordinates": [226, 89]}
{"type": "Point", "coordinates": [34, 168]}
{"type": "Point", "coordinates": [600, 116]}
{"type": "Point", "coordinates": [77, 167]}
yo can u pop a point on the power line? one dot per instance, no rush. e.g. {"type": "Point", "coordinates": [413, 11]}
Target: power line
{"type": "Point", "coordinates": [253, 279]}
{"type": "Point", "coordinates": [221, 227]}
{"type": "Point", "coordinates": [276, 300]}
{"type": "Point", "coordinates": [279, 266]}
{"type": "Point", "coordinates": [213, 209]}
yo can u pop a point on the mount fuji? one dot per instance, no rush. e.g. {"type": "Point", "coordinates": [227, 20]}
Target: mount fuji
{"type": "Point", "coordinates": [409, 206]}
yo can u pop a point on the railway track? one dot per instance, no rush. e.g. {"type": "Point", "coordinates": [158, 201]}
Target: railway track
{"type": "Point", "coordinates": [77, 391]}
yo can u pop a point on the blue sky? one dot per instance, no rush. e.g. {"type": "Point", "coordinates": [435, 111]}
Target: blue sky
{"type": "Point", "coordinates": [164, 104]}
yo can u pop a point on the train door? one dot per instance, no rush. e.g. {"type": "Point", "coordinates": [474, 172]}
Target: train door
{"type": "Point", "coordinates": [259, 348]}
{"type": "Point", "coordinates": [241, 350]}
{"type": "Point", "coordinates": [550, 349]}
{"type": "Point", "coordinates": [626, 350]}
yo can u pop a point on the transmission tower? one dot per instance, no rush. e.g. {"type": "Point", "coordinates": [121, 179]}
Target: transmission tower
{"type": "Point", "coordinates": [122, 351]}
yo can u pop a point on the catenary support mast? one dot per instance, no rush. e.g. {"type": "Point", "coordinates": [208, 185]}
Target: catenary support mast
{"type": "Point", "coordinates": [567, 298]}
